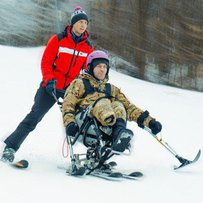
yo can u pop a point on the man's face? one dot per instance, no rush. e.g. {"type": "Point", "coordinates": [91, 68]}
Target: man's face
{"type": "Point", "coordinates": [79, 27]}
{"type": "Point", "coordinates": [100, 71]}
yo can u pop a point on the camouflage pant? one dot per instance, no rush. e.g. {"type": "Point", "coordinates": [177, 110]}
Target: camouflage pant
{"type": "Point", "coordinates": [106, 112]}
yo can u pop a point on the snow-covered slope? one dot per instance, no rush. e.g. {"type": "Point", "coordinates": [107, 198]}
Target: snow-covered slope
{"type": "Point", "coordinates": [180, 112]}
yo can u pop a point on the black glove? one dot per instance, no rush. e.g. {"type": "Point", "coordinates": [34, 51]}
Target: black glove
{"type": "Point", "coordinates": [141, 118]}
{"type": "Point", "coordinates": [155, 126]}
{"type": "Point", "coordinates": [50, 87]}
{"type": "Point", "coordinates": [71, 129]}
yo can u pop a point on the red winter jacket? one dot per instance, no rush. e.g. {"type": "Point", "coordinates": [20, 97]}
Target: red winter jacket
{"type": "Point", "coordinates": [63, 58]}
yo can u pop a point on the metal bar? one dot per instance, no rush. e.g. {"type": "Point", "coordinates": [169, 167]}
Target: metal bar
{"type": "Point", "coordinates": [166, 145]}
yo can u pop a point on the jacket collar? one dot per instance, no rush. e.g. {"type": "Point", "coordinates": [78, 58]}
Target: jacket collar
{"type": "Point", "coordinates": [69, 33]}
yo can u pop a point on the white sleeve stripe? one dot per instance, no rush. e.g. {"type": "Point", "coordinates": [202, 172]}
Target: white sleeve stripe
{"type": "Point", "coordinates": [71, 51]}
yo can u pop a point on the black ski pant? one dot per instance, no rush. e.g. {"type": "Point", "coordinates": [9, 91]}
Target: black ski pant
{"type": "Point", "coordinates": [42, 103]}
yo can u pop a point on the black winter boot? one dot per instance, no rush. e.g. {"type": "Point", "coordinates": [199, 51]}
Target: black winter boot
{"type": "Point", "coordinates": [121, 136]}
{"type": "Point", "coordinates": [8, 155]}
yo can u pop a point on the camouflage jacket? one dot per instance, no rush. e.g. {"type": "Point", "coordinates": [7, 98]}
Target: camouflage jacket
{"type": "Point", "coordinates": [74, 99]}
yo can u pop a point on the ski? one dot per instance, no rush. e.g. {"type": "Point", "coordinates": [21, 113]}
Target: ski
{"type": "Point", "coordinates": [107, 174]}
{"type": "Point", "coordinates": [117, 175]}
{"type": "Point", "coordinates": [133, 175]}
{"type": "Point", "coordinates": [185, 162]}
{"type": "Point", "coordinates": [22, 164]}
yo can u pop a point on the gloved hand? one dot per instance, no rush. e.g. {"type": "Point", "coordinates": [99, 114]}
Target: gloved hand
{"type": "Point", "coordinates": [50, 87]}
{"type": "Point", "coordinates": [71, 129]}
{"type": "Point", "coordinates": [155, 126]}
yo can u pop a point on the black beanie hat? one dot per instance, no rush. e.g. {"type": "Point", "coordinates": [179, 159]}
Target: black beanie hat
{"type": "Point", "coordinates": [97, 61]}
{"type": "Point", "coordinates": [78, 14]}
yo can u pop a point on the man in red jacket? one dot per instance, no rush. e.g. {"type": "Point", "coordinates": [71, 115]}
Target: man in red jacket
{"type": "Point", "coordinates": [64, 56]}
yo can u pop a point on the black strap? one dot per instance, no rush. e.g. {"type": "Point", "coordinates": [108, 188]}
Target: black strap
{"type": "Point", "coordinates": [89, 43]}
{"type": "Point", "coordinates": [108, 89]}
{"type": "Point", "coordinates": [89, 89]}
{"type": "Point", "coordinates": [62, 35]}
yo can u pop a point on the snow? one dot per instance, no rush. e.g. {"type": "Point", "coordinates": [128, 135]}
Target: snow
{"type": "Point", "coordinates": [180, 112]}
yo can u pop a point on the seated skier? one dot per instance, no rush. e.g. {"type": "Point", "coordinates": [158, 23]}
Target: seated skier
{"type": "Point", "coordinates": [109, 105]}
